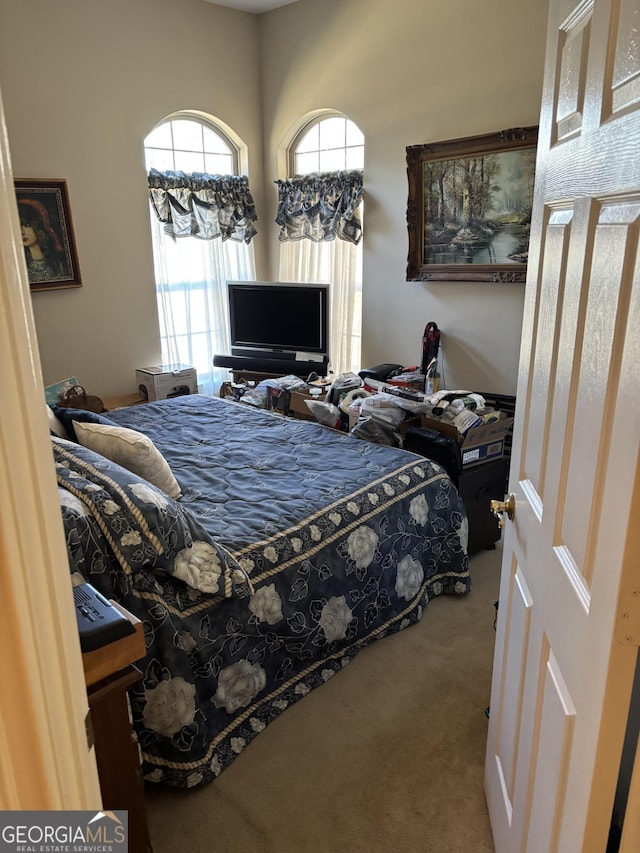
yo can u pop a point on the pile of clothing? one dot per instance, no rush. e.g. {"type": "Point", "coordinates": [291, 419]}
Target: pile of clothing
{"type": "Point", "coordinates": [370, 409]}
{"type": "Point", "coordinates": [382, 408]}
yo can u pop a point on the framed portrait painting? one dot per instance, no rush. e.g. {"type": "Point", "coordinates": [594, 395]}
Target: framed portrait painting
{"type": "Point", "coordinates": [47, 234]}
{"type": "Point", "coordinates": [469, 207]}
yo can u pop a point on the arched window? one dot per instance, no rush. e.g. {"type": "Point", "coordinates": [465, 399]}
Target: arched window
{"type": "Point", "coordinates": [187, 144]}
{"type": "Point", "coordinates": [328, 145]}
{"type": "Point", "coordinates": [191, 273]}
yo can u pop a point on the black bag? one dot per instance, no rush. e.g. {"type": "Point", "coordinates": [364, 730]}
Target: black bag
{"type": "Point", "coordinates": [443, 449]}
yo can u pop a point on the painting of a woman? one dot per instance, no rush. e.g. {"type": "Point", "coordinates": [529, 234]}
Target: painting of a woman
{"type": "Point", "coordinates": [46, 234]}
{"type": "Point", "coordinates": [42, 247]}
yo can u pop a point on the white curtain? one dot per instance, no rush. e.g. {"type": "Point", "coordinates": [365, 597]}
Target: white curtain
{"type": "Point", "coordinates": [191, 286]}
{"type": "Point", "coordinates": [320, 240]}
{"type": "Point", "coordinates": [340, 264]}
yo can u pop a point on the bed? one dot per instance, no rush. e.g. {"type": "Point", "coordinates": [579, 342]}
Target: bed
{"type": "Point", "coordinates": [275, 550]}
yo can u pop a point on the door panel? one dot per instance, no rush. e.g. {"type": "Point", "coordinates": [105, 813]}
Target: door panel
{"type": "Point", "coordinates": [561, 678]}
{"type": "Point", "coordinates": [624, 85]}
{"type": "Point", "coordinates": [556, 729]}
{"type": "Point", "coordinates": [520, 614]}
{"type": "Point", "coordinates": [574, 49]}
{"type": "Point", "coordinates": [607, 294]}
{"type": "Point", "coordinates": [539, 407]}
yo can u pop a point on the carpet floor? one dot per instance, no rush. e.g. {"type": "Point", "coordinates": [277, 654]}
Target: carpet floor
{"type": "Point", "coordinates": [387, 757]}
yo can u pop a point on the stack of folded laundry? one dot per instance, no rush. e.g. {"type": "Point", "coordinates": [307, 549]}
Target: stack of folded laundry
{"type": "Point", "coordinates": [463, 409]}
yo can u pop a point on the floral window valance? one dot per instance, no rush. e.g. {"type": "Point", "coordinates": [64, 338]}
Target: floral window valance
{"type": "Point", "coordinates": [204, 206]}
{"type": "Point", "coordinates": [320, 207]}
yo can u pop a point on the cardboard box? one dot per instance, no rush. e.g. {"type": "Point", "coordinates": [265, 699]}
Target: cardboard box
{"type": "Point", "coordinates": [479, 444]}
{"type": "Point", "coordinates": [168, 380]}
{"type": "Point", "coordinates": [298, 408]}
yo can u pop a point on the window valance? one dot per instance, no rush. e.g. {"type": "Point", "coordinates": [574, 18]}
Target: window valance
{"type": "Point", "coordinates": [320, 207]}
{"type": "Point", "coordinates": [204, 206]}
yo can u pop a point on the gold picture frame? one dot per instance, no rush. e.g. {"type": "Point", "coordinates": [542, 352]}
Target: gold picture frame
{"type": "Point", "coordinates": [469, 207]}
{"type": "Point", "coordinates": [47, 234]}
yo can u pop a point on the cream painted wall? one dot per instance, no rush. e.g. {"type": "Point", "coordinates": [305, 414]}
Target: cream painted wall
{"type": "Point", "coordinates": [410, 72]}
{"type": "Point", "coordinates": [83, 82]}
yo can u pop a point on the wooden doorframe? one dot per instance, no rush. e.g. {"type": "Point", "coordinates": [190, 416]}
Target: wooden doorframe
{"type": "Point", "coordinates": [46, 763]}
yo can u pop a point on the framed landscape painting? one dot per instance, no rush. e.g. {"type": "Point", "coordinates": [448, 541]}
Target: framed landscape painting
{"type": "Point", "coordinates": [47, 234]}
{"type": "Point", "coordinates": [469, 207]}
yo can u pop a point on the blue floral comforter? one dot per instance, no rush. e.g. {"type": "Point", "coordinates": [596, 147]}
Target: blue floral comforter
{"type": "Point", "coordinates": [317, 543]}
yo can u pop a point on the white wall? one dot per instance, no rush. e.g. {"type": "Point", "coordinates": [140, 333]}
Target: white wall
{"type": "Point", "coordinates": [83, 82]}
{"type": "Point", "coordinates": [410, 72]}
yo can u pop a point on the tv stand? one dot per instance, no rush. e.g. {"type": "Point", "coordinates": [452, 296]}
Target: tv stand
{"type": "Point", "coordinates": [244, 376]}
{"type": "Point", "coordinates": [276, 365]}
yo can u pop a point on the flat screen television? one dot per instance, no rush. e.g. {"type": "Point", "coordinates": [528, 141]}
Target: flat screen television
{"type": "Point", "coordinates": [279, 319]}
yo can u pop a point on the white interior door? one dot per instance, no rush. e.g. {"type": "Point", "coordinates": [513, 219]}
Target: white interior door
{"type": "Point", "coordinates": [569, 622]}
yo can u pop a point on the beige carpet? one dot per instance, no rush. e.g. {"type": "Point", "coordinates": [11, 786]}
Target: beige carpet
{"type": "Point", "coordinates": [387, 757]}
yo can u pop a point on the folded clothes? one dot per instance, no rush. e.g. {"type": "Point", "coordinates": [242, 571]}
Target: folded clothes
{"type": "Point", "coordinates": [445, 405]}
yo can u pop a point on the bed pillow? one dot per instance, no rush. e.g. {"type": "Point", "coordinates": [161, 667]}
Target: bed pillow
{"type": "Point", "coordinates": [55, 424]}
{"type": "Point", "coordinates": [67, 415]}
{"type": "Point", "coordinates": [132, 450]}
{"type": "Point", "coordinates": [121, 530]}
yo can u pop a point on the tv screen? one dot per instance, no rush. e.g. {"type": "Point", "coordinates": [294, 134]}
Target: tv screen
{"type": "Point", "coordinates": [279, 317]}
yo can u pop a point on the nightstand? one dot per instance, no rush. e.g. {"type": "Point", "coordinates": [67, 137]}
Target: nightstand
{"type": "Point", "coordinates": [121, 401]}
{"type": "Point", "coordinates": [108, 673]}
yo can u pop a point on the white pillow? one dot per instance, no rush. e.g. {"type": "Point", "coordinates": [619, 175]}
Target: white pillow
{"type": "Point", "coordinates": [132, 450]}
{"type": "Point", "coordinates": [55, 424]}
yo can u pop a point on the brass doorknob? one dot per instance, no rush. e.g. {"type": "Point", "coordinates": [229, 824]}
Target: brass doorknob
{"type": "Point", "coordinates": [508, 506]}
